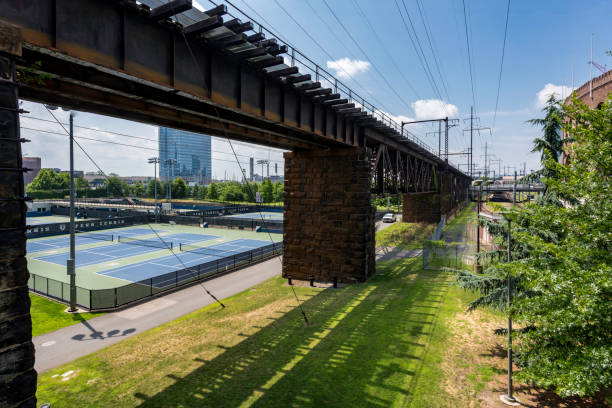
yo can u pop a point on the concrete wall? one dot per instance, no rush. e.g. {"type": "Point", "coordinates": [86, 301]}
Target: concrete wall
{"type": "Point", "coordinates": [329, 220]}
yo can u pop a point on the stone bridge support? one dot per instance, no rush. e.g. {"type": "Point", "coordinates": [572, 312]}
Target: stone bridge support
{"type": "Point", "coordinates": [430, 206]}
{"type": "Point", "coordinates": [17, 375]}
{"type": "Point", "coordinates": [329, 219]}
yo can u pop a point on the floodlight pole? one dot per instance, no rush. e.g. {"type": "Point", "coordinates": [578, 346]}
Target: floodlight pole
{"type": "Point", "coordinates": [70, 262]}
{"type": "Point", "coordinates": [508, 398]}
{"type": "Point", "coordinates": [155, 160]}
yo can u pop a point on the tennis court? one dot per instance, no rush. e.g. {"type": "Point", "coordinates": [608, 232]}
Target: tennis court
{"type": "Point", "coordinates": [57, 243]}
{"type": "Point", "coordinates": [155, 269]}
{"type": "Point", "coordinates": [124, 249]}
{"type": "Point", "coordinates": [267, 215]}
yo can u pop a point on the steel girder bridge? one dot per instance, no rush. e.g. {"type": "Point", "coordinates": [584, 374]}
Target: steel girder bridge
{"type": "Point", "coordinates": [167, 64]}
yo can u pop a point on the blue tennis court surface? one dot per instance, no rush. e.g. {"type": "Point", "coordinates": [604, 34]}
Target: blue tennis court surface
{"type": "Point", "coordinates": [258, 215]}
{"type": "Point", "coordinates": [81, 239]}
{"type": "Point", "coordinates": [159, 268]}
{"type": "Point", "coordinates": [85, 257]}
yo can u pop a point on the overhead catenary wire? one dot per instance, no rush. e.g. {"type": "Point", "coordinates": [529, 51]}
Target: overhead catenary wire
{"type": "Point", "coordinates": [384, 47]}
{"type": "Point", "coordinates": [149, 225]}
{"type": "Point", "coordinates": [348, 33]}
{"type": "Point", "coordinates": [469, 53]}
{"type": "Point", "coordinates": [501, 65]}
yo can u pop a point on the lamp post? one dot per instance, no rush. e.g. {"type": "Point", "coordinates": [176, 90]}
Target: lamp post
{"type": "Point", "coordinates": [70, 263]}
{"type": "Point", "coordinates": [508, 398]}
{"type": "Point", "coordinates": [155, 160]}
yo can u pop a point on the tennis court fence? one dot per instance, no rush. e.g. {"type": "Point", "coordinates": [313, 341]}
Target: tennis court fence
{"type": "Point", "coordinates": [109, 299]}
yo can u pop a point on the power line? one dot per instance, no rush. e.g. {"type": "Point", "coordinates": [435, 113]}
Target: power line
{"type": "Point", "coordinates": [367, 20]}
{"type": "Point", "coordinates": [130, 145]}
{"type": "Point", "coordinates": [501, 65]}
{"type": "Point", "coordinates": [467, 39]}
{"type": "Point", "coordinates": [365, 54]}
{"type": "Point", "coordinates": [431, 46]}
{"type": "Point", "coordinates": [423, 63]}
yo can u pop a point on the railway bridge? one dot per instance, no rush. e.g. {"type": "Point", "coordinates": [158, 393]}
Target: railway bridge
{"type": "Point", "coordinates": [167, 64]}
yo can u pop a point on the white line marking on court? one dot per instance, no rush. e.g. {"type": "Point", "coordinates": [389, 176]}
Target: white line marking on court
{"type": "Point", "coordinates": [48, 343]}
{"type": "Point", "coordinates": [112, 264]}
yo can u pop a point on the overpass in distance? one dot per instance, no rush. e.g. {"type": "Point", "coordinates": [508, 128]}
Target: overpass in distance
{"type": "Point", "coordinates": [167, 64]}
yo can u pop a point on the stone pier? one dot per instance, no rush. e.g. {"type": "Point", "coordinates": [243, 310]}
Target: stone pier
{"type": "Point", "coordinates": [17, 375]}
{"type": "Point", "coordinates": [329, 220]}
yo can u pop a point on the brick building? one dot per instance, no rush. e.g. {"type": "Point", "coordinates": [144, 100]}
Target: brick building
{"type": "Point", "coordinates": [32, 163]}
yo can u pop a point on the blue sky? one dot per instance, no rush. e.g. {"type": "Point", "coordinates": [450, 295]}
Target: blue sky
{"type": "Point", "coordinates": [543, 39]}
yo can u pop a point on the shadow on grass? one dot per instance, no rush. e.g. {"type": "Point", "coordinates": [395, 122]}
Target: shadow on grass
{"type": "Point", "coordinates": [363, 347]}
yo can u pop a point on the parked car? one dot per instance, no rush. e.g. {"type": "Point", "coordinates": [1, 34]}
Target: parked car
{"type": "Point", "coordinates": [388, 218]}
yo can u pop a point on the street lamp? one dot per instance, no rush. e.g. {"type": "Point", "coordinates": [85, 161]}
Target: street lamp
{"type": "Point", "coordinates": [155, 160]}
{"type": "Point", "coordinates": [70, 263]}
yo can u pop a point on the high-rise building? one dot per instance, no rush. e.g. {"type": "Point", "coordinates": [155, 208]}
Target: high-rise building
{"type": "Point", "coordinates": [32, 163]}
{"type": "Point", "coordinates": [184, 154]}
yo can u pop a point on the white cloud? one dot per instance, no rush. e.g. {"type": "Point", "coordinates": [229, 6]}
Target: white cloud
{"type": "Point", "coordinates": [560, 92]}
{"type": "Point", "coordinates": [346, 67]}
{"type": "Point", "coordinates": [433, 109]}
{"type": "Point", "coordinates": [197, 6]}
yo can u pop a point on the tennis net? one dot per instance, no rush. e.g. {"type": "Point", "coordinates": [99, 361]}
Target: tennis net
{"type": "Point", "coordinates": [220, 253]}
{"type": "Point", "coordinates": [153, 243]}
{"type": "Point", "coordinates": [94, 235]}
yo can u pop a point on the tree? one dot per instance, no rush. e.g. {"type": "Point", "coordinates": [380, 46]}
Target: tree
{"type": "Point", "coordinates": [195, 191]}
{"type": "Point", "coordinates": [48, 179]}
{"type": "Point", "coordinates": [81, 184]}
{"type": "Point", "coordinates": [268, 191]}
{"type": "Point", "coordinates": [551, 142]}
{"type": "Point", "coordinates": [202, 192]}
{"type": "Point", "coordinates": [138, 189]}
{"type": "Point", "coordinates": [213, 192]}
{"type": "Point", "coordinates": [279, 191]}
{"type": "Point", "coordinates": [562, 266]}
{"type": "Point", "coordinates": [115, 186]}
{"type": "Point", "coordinates": [179, 188]}
{"type": "Point", "coordinates": [151, 188]}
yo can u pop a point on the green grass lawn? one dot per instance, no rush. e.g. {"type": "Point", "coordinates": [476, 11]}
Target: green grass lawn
{"type": "Point", "coordinates": [404, 235]}
{"type": "Point", "coordinates": [380, 343]}
{"type": "Point", "coordinates": [48, 315]}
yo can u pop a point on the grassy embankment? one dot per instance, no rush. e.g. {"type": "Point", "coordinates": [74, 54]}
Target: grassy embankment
{"type": "Point", "coordinates": [404, 235]}
{"type": "Point", "coordinates": [48, 316]}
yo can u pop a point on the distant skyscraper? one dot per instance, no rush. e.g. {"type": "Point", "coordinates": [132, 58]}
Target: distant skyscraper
{"type": "Point", "coordinates": [184, 154]}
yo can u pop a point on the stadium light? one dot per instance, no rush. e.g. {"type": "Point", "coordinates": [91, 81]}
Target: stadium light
{"type": "Point", "coordinates": [155, 160]}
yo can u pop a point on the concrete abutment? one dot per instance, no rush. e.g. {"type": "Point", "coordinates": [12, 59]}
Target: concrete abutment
{"type": "Point", "coordinates": [329, 219]}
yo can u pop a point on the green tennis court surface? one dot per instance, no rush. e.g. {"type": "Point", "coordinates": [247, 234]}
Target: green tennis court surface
{"type": "Point", "coordinates": [47, 219]}
{"type": "Point", "coordinates": [267, 215]}
{"type": "Point", "coordinates": [116, 257]}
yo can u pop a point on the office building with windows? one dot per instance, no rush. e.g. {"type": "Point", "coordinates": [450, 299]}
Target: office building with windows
{"type": "Point", "coordinates": [184, 154]}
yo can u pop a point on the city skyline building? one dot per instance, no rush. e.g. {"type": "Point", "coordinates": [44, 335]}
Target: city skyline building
{"type": "Point", "coordinates": [184, 154]}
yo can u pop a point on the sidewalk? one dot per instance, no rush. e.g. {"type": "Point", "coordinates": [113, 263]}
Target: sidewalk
{"type": "Point", "coordinates": [69, 343]}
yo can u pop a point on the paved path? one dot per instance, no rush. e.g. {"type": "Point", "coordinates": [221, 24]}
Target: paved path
{"type": "Point", "coordinates": [64, 345]}
{"type": "Point", "coordinates": [382, 225]}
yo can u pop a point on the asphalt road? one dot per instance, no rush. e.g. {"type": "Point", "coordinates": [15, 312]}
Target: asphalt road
{"type": "Point", "coordinates": [382, 225]}
{"type": "Point", "coordinates": [64, 345]}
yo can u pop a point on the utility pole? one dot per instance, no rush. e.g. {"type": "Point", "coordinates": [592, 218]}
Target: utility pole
{"type": "Point", "coordinates": [70, 262]}
{"type": "Point", "coordinates": [446, 120]}
{"type": "Point", "coordinates": [446, 139]}
{"type": "Point", "coordinates": [514, 190]}
{"type": "Point", "coordinates": [439, 138]}
{"type": "Point", "coordinates": [471, 138]}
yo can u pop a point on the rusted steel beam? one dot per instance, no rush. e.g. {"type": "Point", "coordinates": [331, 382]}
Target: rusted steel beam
{"type": "Point", "coordinates": [219, 10]}
{"type": "Point", "coordinates": [310, 85]}
{"type": "Point", "coordinates": [238, 26]}
{"type": "Point", "coordinates": [297, 78]}
{"type": "Point", "coordinates": [276, 50]}
{"type": "Point", "coordinates": [170, 9]}
{"type": "Point", "coordinates": [343, 106]}
{"type": "Point", "coordinates": [267, 62]}
{"type": "Point", "coordinates": [335, 102]}
{"type": "Point", "coordinates": [203, 26]}
{"type": "Point", "coordinates": [282, 72]}
{"type": "Point", "coordinates": [317, 92]}
{"type": "Point", "coordinates": [257, 37]}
